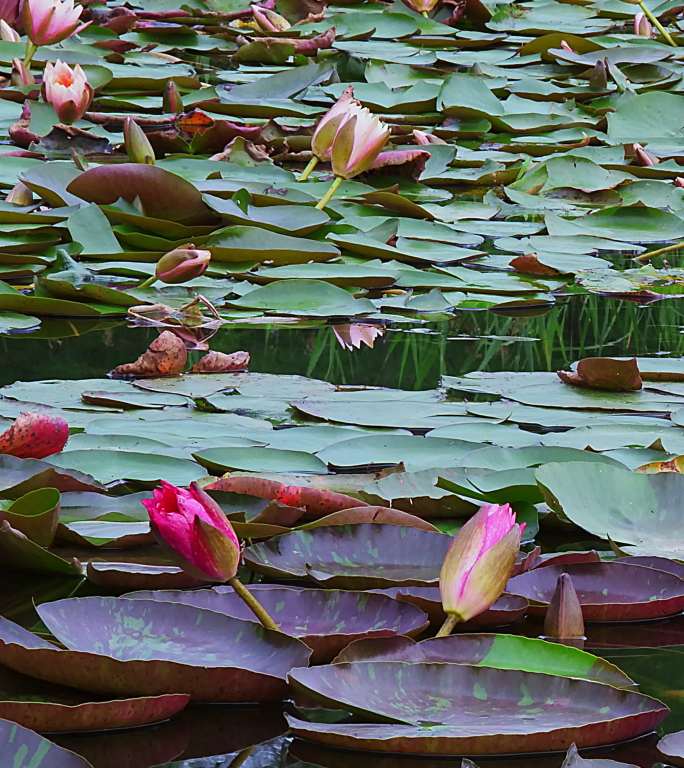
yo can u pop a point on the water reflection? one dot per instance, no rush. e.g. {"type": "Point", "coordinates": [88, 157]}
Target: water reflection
{"type": "Point", "coordinates": [411, 355]}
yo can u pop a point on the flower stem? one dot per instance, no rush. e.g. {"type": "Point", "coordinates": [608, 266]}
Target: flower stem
{"type": "Point", "coordinates": [147, 283]}
{"type": "Point", "coordinates": [309, 168]}
{"type": "Point", "coordinates": [659, 252]}
{"type": "Point", "coordinates": [656, 23]}
{"type": "Point", "coordinates": [31, 49]}
{"type": "Point", "coordinates": [253, 604]}
{"type": "Point", "coordinates": [426, 14]}
{"type": "Point", "coordinates": [450, 622]}
{"type": "Point", "coordinates": [328, 196]}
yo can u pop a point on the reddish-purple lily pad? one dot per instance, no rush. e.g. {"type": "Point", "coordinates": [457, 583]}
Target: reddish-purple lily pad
{"type": "Point", "coordinates": [526, 654]}
{"type": "Point", "coordinates": [659, 563]}
{"type": "Point", "coordinates": [21, 746]}
{"type": "Point", "coordinates": [126, 577]}
{"type": "Point", "coordinates": [326, 620]}
{"type": "Point", "coordinates": [507, 609]}
{"type": "Point", "coordinates": [452, 709]}
{"type": "Point", "coordinates": [671, 747]}
{"type": "Point", "coordinates": [364, 556]}
{"type": "Point", "coordinates": [148, 648]}
{"type": "Point", "coordinates": [53, 709]}
{"type": "Point", "coordinates": [607, 591]}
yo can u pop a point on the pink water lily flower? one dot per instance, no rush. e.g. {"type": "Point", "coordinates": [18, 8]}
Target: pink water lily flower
{"type": "Point", "coordinates": [329, 124]}
{"type": "Point", "coordinates": [34, 436]}
{"type": "Point", "coordinates": [50, 21]}
{"type": "Point", "coordinates": [480, 561]}
{"type": "Point", "coordinates": [67, 90]}
{"type": "Point", "coordinates": [182, 264]}
{"type": "Point", "coordinates": [192, 525]}
{"type": "Point", "coordinates": [357, 143]}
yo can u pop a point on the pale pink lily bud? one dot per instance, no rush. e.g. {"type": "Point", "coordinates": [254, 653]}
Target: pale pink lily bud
{"type": "Point", "coordinates": [642, 26]}
{"type": "Point", "coordinates": [329, 124]}
{"type": "Point", "coordinates": [422, 138]}
{"type": "Point", "coordinates": [643, 157]}
{"type": "Point", "coordinates": [137, 145]}
{"type": "Point", "coordinates": [357, 143]}
{"type": "Point", "coordinates": [480, 561]}
{"type": "Point", "coordinates": [7, 33]}
{"type": "Point", "coordinates": [564, 620]}
{"type": "Point", "coordinates": [50, 21]}
{"type": "Point", "coordinates": [679, 182]}
{"type": "Point", "coordinates": [566, 46]}
{"type": "Point", "coordinates": [182, 264]}
{"type": "Point", "coordinates": [21, 74]}
{"type": "Point", "coordinates": [421, 6]}
{"type": "Point", "coordinates": [67, 90]}
{"type": "Point", "coordinates": [268, 20]}
{"type": "Point", "coordinates": [34, 436]}
{"type": "Point", "coordinates": [351, 336]}
{"type": "Point", "coordinates": [192, 525]}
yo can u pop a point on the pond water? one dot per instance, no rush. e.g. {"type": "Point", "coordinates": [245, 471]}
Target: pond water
{"type": "Point", "coordinates": [412, 356]}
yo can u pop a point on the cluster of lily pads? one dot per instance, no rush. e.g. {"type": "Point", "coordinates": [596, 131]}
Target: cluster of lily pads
{"type": "Point", "coordinates": [348, 500]}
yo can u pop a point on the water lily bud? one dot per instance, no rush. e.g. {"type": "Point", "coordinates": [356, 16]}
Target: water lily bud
{"type": "Point", "coordinates": [480, 561]}
{"type": "Point", "coordinates": [7, 33]}
{"type": "Point", "coordinates": [268, 20]}
{"type": "Point", "coordinates": [679, 182]}
{"type": "Point", "coordinates": [421, 6]}
{"type": "Point", "coordinates": [21, 74]}
{"type": "Point", "coordinates": [172, 100]}
{"type": "Point", "coordinates": [67, 90]}
{"type": "Point", "coordinates": [34, 436]}
{"type": "Point", "coordinates": [642, 26]}
{"type": "Point", "coordinates": [598, 80]}
{"type": "Point", "coordinates": [49, 21]}
{"type": "Point", "coordinates": [357, 143]}
{"type": "Point", "coordinates": [642, 157]}
{"type": "Point", "coordinates": [329, 124]}
{"type": "Point", "coordinates": [182, 264]}
{"type": "Point", "coordinates": [420, 137]}
{"type": "Point", "coordinates": [138, 147]}
{"type": "Point", "coordinates": [20, 194]}
{"type": "Point", "coordinates": [193, 526]}
{"type": "Point", "coordinates": [566, 46]}
{"type": "Point", "coordinates": [564, 620]}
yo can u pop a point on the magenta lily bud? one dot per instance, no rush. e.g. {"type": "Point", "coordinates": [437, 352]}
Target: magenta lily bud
{"type": "Point", "coordinates": [7, 33]}
{"type": "Point", "coordinates": [357, 143]}
{"type": "Point", "coordinates": [138, 147]}
{"type": "Point", "coordinates": [269, 21]}
{"type": "Point", "coordinates": [564, 620]}
{"type": "Point", "coordinates": [192, 525]}
{"type": "Point", "coordinates": [329, 124]}
{"type": "Point", "coordinates": [182, 264]}
{"type": "Point", "coordinates": [172, 100]}
{"type": "Point", "coordinates": [34, 436]}
{"type": "Point", "coordinates": [642, 26]}
{"type": "Point", "coordinates": [480, 561]}
{"type": "Point", "coordinates": [50, 21]}
{"type": "Point", "coordinates": [67, 90]}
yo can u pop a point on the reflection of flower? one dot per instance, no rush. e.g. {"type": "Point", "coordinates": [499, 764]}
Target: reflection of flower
{"type": "Point", "coordinates": [34, 436]}
{"type": "Point", "coordinates": [194, 527]}
{"type": "Point", "coordinates": [479, 562]}
{"type": "Point", "coordinates": [67, 90]}
{"type": "Point", "coordinates": [352, 335]}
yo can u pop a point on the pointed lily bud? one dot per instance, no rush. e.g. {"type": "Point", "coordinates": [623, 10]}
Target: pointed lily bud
{"type": "Point", "coordinates": [50, 21]}
{"type": "Point", "coordinates": [268, 20]}
{"type": "Point", "coordinates": [643, 157]}
{"type": "Point", "coordinates": [20, 194]}
{"type": "Point", "coordinates": [67, 90]}
{"type": "Point", "coordinates": [642, 26]}
{"type": "Point", "coordinates": [182, 264]}
{"type": "Point", "coordinates": [566, 46]}
{"type": "Point", "coordinates": [564, 620]}
{"type": "Point", "coordinates": [679, 182]}
{"type": "Point", "coordinates": [598, 80]}
{"type": "Point", "coordinates": [193, 526]}
{"type": "Point", "coordinates": [7, 33]}
{"type": "Point", "coordinates": [329, 124]}
{"type": "Point", "coordinates": [480, 561]}
{"type": "Point", "coordinates": [172, 100]}
{"type": "Point", "coordinates": [421, 6]}
{"type": "Point", "coordinates": [422, 138]}
{"type": "Point", "coordinates": [21, 74]}
{"type": "Point", "coordinates": [357, 143]}
{"type": "Point", "coordinates": [138, 147]}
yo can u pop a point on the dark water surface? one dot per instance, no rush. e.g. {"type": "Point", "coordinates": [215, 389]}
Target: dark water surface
{"type": "Point", "coordinates": [413, 356]}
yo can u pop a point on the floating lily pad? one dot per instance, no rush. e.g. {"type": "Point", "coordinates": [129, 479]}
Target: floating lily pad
{"type": "Point", "coordinates": [606, 591]}
{"type": "Point", "coordinates": [441, 709]}
{"type": "Point", "coordinates": [326, 620]}
{"type": "Point", "coordinates": [364, 556]}
{"type": "Point", "coordinates": [671, 747]}
{"type": "Point", "coordinates": [20, 744]}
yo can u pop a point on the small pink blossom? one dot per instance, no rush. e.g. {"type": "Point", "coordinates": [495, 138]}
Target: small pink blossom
{"type": "Point", "coordinates": [67, 90]}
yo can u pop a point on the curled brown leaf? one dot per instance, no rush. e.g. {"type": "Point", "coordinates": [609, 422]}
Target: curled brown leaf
{"type": "Point", "coordinates": [166, 356]}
